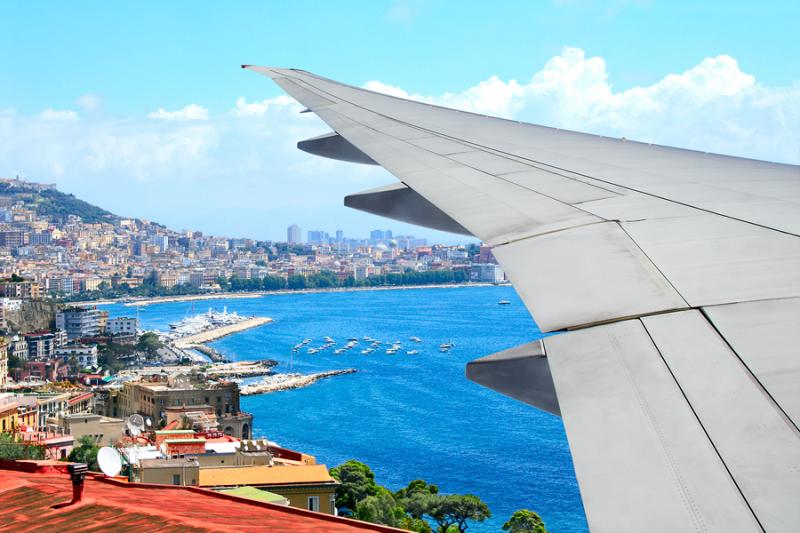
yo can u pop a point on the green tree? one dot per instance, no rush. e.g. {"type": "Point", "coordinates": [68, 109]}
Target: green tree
{"type": "Point", "coordinates": [148, 342]}
{"type": "Point", "coordinates": [12, 449]}
{"type": "Point", "coordinates": [85, 452]}
{"type": "Point", "coordinates": [524, 521]}
{"type": "Point", "coordinates": [380, 508]}
{"type": "Point", "coordinates": [357, 481]}
{"type": "Point", "coordinates": [455, 509]}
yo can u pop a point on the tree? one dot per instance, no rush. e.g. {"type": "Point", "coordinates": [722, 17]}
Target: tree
{"type": "Point", "coordinates": [149, 343]}
{"type": "Point", "coordinates": [524, 521]}
{"type": "Point", "coordinates": [357, 481]}
{"type": "Point", "coordinates": [454, 510]}
{"type": "Point", "coordinates": [380, 508]}
{"type": "Point", "coordinates": [85, 452]}
{"type": "Point", "coordinates": [12, 449]}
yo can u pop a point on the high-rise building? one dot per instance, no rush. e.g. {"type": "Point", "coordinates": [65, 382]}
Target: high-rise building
{"type": "Point", "coordinates": [376, 236]}
{"type": "Point", "coordinates": [339, 235]}
{"type": "Point", "coordinates": [317, 237]}
{"type": "Point", "coordinates": [294, 235]}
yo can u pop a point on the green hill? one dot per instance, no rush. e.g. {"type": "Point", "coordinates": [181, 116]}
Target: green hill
{"type": "Point", "coordinates": [56, 204]}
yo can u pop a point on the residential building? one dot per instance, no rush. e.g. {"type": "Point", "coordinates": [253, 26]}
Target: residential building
{"type": "Point", "coordinates": [3, 363]}
{"type": "Point", "coordinates": [122, 326]}
{"type": "Point", "coordinates": [20, 289]}
{"type": "Point", "coordinates": [80, 322]}
{"type": "Point", "coordinates": [181, 471]}
{"type": "Point", "coordinates": [103, 430]}
{"type": "Point", "coordinates": [84, 354]}
{"type": "Point", "coordinates": [486, 272]}
{"type": "Point", "coordinates": [306, 487]}
{"type": "Point", "coordinates": [152, 399]}
{"type": "Point", "coordinates": [8, 412]}
{"type": "Point", "coordinates": [43, 344]}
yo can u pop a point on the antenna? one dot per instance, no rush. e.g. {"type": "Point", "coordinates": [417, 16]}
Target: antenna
{"type": "Point", "coordinates": [135, 424]}
{"type": "Point", "coordinates": [109, 461]}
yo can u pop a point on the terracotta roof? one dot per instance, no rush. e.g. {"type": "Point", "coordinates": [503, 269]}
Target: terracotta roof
{"type": "Point", "coordinates": [27, 500]}
{"type": "Point", "coordinates": [264, 475]}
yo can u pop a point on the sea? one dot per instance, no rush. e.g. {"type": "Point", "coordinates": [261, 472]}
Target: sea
{"type": "Point", "coordinates": [406, 416]}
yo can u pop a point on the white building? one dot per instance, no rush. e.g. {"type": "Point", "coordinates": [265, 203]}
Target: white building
{"type": "Point", "coordinates": [86, 354]}
{"type": "Point", "coordinates": [122, 326]}
{"type": "Point", "coordinates": [486, 273]}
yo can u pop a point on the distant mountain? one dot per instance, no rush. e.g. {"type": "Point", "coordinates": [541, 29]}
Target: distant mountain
{"type": "Point", "coordinates": [53, 203]}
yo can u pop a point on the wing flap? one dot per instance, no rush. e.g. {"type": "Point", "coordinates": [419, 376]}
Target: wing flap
{"type": "Point", "coordinates": [759, 448]}
{"type": "Point", "coordinates": [642, 460]}
{"type": "Point", "coordinates": [521, 372]}
{"type": "Point", "coordinates": [766, 337]}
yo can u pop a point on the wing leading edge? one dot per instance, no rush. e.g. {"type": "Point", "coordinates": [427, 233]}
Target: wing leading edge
{"type": "Point", "coordinates": [678, 270]}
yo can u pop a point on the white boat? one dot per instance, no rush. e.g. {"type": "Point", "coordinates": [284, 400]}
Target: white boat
{"type": "Point", "coordinates": [412, 352]}
{"type": "Point", "coordinates": [329, 340]}
{"type": "Point", "coordinates": [312, 351]}
{"type": "Point", "coordinates": [391, 351]}
{"type": "Point", "coordinates": [415, 339]}
{"type": "Point", "coordinates": [339, 351]}
{"type": "Point", "coordinates": [367, 351]}
{"type": "Point", "coordinates": [504, 302]}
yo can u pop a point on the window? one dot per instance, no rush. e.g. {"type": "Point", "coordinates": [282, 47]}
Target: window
{"type": "Point", "coordinates": [176, 479]}
{"type": "Point", "coordinates": [313, 503]}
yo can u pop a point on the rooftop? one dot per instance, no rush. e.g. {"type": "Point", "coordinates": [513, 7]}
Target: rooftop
{"type": "Point", "coordinates": [265, 475]}
{"type": "Point", "coordinates": [110, 505]}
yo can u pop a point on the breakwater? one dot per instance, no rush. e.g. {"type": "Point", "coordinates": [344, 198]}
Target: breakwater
{"type": "Point", "coordinates": [279, 382]}
{"type": "Point", "coordinates": [217, 333]}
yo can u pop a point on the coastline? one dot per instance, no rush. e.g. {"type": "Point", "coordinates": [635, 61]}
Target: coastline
{"type": "Point", "coordinates": [130, 302]}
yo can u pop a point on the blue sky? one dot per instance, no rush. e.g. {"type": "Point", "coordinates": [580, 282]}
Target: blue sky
{"type": "Point", "coordinates": [82, 84]}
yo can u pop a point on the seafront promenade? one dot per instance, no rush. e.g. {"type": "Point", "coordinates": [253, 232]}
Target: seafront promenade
{"type": "Point", "coordinates": [219, 332]}
{"type": "Point", "coordinates": [257, 294]}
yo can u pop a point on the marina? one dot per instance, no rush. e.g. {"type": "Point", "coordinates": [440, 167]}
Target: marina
{"type": "Point", "coordinates": [281, 382]}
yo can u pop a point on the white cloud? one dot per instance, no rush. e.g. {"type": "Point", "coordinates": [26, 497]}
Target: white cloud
{"type": "Point", "coordinates": [189, 112]}
{"type": "Point", "coordinates": [90, 103]}
{"type": "Point", "coordinates": [58, 114]}
{"type": "Point", "coordinates": [260, 108]}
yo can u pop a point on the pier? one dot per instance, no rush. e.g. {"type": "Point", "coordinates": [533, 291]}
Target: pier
{"type": "Point", "coordinates": [219, 332]}
{"type": "Point", "coordinates": [279, 382]}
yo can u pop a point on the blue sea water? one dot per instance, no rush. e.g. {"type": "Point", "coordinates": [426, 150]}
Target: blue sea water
{"type": "Point", "coordinates": [407, 416]}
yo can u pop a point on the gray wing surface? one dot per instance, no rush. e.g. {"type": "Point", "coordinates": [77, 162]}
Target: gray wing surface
{"type": "Point", "coordinates": [674, 275]}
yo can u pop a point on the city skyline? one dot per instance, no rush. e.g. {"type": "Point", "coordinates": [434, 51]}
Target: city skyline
{"type": "Point", "coordinates": [156, 137]}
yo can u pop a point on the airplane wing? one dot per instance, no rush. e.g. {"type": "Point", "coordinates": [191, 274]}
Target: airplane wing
{"type": "Point", "coordinates": [674, 275]}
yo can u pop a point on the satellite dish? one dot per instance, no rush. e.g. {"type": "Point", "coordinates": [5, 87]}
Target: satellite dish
{"type": "Point", "coordinates": [135, 424]}
{"type": "Point", "coordinates": [109, 461]}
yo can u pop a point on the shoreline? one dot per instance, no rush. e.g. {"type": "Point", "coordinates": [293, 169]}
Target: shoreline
{"type": "Point", "coordinates": [128, 302]}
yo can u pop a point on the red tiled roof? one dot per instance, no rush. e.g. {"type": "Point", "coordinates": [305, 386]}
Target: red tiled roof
{"type": "Point", "coordinates": [27, 500]}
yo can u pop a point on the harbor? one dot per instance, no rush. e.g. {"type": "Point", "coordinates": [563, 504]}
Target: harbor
{"type": "Point", "coordinates": [209, 327]}
{"type": "Point", "coordinates": [281, 382]}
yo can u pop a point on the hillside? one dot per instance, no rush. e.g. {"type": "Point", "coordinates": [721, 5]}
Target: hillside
{"type": "Point", "coordinates": [54, 203]}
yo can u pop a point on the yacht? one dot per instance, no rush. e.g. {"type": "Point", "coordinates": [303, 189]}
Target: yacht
{"type": "Point", "coordinates": [312, 351]}
{"type": "Point", "coordinates": [367, 351]}
{"type": "Point", "coordinates": [412, 352]}
{"type": "Point", "coordinates": [415, 339]}
{"type": "Point", "coordinates": [504, 302]}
